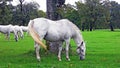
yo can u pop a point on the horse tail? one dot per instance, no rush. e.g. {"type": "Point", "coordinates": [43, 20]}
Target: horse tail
{"type": "Point", "coordinates": [34, 35]}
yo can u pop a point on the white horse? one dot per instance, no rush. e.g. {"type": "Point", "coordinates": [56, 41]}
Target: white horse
{"type": "Point", "coordinates": [56, 31]}
{"type": "Point", "coordinates": [24, 29]}
{"type": "Point", "coordinates": [7, 29]}
{"type": "Point", "coordinates": [19, 31]}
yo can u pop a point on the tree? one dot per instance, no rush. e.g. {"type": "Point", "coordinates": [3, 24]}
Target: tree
{"type": "Point", "coordinates": [93, 7]}
{"type": "Point", "coordinates": [69, 12]}
{"type": "Point", "coordinates": [52, 14]}
{"type": "Point", "coordinates": [51, 9]}
{"type": "Point", "coordinates": [21, 12]}
{"type": "Point", "coordinates": [115, 15]}
{"type": "Point", "coordinates": [5, 12]}
{"type": "Point", "coordinates": [92, 14]}
{"type": "Point", "coordinates": [52, 6]}
{"type": "Point", "coordinates": [83, 15]}
{"type": "Point", "coordinates": [29, 11]}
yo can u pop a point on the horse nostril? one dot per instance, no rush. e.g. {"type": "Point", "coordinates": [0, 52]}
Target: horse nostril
{"type": "Point", "coordinates": [82, 58]}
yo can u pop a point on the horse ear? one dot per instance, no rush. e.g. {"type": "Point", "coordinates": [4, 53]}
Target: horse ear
{"type": "Point", "coordinates": [81, 43]}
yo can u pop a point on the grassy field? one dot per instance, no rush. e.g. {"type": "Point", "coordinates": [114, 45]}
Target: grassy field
{"type": "Point", "coordinates": [103, 51]}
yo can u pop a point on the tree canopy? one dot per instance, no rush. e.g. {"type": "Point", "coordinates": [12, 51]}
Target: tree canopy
{"type": "Point", "coordinates": [19, 14]}
{"type": "Point", "coordinates": [90, 15]}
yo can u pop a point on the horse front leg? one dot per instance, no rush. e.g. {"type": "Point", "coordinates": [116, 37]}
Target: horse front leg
{"type": "Point", "coordinates": [5, 36]}
{"type": "Point", "coordinates": [60, 50]}
{"type": "Point", "coordinates": [15, 36]}
{"type": "Point", "coordinates": [8, 36]}
{"type": "Point", "coordinates": [67, 49]}
{"type": "Point", "coordinates": [37, 48]}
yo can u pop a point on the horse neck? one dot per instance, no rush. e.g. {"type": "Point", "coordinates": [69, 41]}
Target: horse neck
{"type": "Point", "coordinates": [78, 38]}
{"type": "Point", "coordinates": [11, 29]}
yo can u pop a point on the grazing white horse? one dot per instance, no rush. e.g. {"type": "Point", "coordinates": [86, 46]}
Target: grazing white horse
{"type": "Point", "coordinates": [7, 29]}
{"type": "Point", "coordinates": [24, 29]}
{"type": "Point", "coordinates": [19, 31]}
{"type": "Point", "coordinates": [56, 31]}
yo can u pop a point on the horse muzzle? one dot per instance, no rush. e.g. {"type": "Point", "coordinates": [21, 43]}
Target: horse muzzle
{"type": "Point", "coordinates": [16, 39]}
{"type": "Point", "coordinates": [82, 57]}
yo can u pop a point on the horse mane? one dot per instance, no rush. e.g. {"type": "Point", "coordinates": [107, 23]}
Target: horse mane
{"type": "Point", "coordinates": [34, 35]}
{"type": "Point", "coordinates": [74, 26]}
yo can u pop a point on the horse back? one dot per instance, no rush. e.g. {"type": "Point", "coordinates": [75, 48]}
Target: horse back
{"type": "Point", "coordinates": [54, 30]}
{"type": "Point", "coordinates": [4, 28]}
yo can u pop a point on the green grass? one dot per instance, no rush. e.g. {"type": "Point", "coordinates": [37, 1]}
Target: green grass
{"type": "Point", "coordinates": [103, 51]}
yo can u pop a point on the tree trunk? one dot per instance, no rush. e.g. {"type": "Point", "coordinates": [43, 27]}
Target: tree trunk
{"type": "Point", "coordinates": [111, 27]}
{"type": "Point", "coordinates": [91, 27]}
{"type": "Point", "coordinates": [83, 26]}
{"type": "Point", "coordinates": [52, 14]}
{"type": "Point", "coordinates": [51, 9]}
{"type": "Point", "coordinates": [21, 9]}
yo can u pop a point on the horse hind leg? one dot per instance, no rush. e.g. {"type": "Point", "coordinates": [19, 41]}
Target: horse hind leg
{"type": "Point", "coordinates": [8, 36]}
{"type": "Point", "coordinates": [37, 48]}
{"type": "Point", "coordinates": [5, 36]}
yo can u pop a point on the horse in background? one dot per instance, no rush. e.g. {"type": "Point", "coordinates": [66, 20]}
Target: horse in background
{"type": "Point", "coordinates": [24, 29]}
{"type": "Point", "coordinates": [19, 31]}
{"type": "Point", "coordinates": [7, 29]}
{"type": "Point", "coordinates": [56, 31]}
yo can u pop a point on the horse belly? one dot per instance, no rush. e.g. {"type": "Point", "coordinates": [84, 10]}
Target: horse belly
{"type": "Point", "coordinates": [53, 37]}
{"type": "Point", "coordinates": [4, 30]}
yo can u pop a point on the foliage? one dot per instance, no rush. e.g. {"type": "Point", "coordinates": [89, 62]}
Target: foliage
{"type": "Point", "coordinates": [18, 15]}
{"type": "Point", "coordinates": [68, 12]}
{"type": "Point", "coordinates": [5, 13]}
{"type": "Point", "coordinates": [29, 11]}
{"type": "Point", "coordinates": [93, 14]}
{"type": "Point", "coordinates": [115, 14]}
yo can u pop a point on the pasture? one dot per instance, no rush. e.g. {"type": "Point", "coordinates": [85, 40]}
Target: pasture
{"type": "Point", "coordinates": [103, 51]}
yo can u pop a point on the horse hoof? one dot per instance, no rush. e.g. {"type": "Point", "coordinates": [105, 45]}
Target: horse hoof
{"type": "Point", "coordinates": [38, 58]}
{"type": "Point", "coordinates": [68, 59]}
{"type": "Point", "coordinates": [60, 60]}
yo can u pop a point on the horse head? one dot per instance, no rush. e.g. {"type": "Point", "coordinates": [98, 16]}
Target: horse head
{"type": "Point", "coordinates": [81, 50]}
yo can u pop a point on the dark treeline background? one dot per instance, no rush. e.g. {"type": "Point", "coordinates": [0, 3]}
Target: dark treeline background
{"type": "Point", "coordinates": [92, 14]}
{"type": "Point", "coordinates": [19, 14]}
